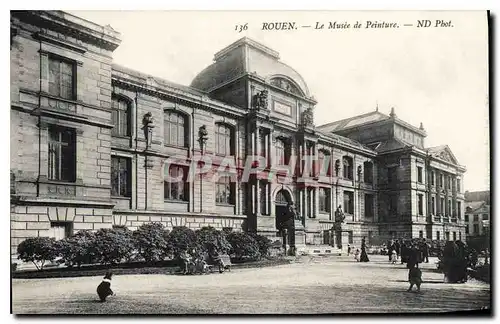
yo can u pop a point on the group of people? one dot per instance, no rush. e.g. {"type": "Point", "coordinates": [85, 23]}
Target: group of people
{"type": "Point", "coordinates": [455, 259]}
{"type": "Point", "coordinates": [193, 262]}
{"type": "Point", "coordinates": [410, 252]}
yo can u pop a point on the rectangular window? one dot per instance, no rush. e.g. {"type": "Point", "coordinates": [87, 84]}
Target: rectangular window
{"type": "Point", "coordinates": [224, 191]}
{"type": "Point", "coordinates": [175, 129]}
{"type": "Point", "coordinates": [476, 229]}
{"type": "Point", "coordinates": [433, 205]}
{"type": "Point", "coordinates": [60, 230]}
{"type": "Point", "coordinates": [433, 178]}
{"type": "Point", "coordinates": [460, 236]}
{"type": "Point", "coordinates": [420, 204]}
{"type": "Point", "coordinates": [449, 208]}
{"type": "Point", "coordinates": [393, 204]}
{"type": "Point", "coordinates": [62, 78]}
{"type": "Point", "coordinates": [466, 218]}
{"type": "Point", "coordinates": [421, 234]}
{"type": "Point", "coordinates": [449, 182]}
{"type": "Point", "coordinates": [62, 151]}
{"type": "Point", "coordinates": [485, 217]}
{"type": "Point", "coordinates": [324, 200]}
{"type": "Point", "coordinates": [120, 176]}
{"type": "Point", "coordinates": [419, 174]}
{"type": "Point", "coordinates": [442, 209]}
{"type": "Point", "coordinates": [466, 228]}
{"type": "Point", "coordinates": [120, 115]}
{"type": "Point", "coordinates": [438, 235]}
{"type": "Point", "coordinates": [392, 175]}
{"type": "Point", "coordinates": [441, 180]}
{"type": "Point", "coordinates": [223, 140]}
{"type": "Point", "coordinates": [459, 209]}
{"type": "Point", "coordinates": [351, 237]}
{"type": "Point", "coordinates": [368, 175]}
{"type": "Point", "coordinates": [263, 197]}
{"type": "Point", "coordinates": [368, 205]}
{"type": "Point", "coordinates": [476, 218]}
{"type": "Point", "coordinates": [447, 236]}
{"type": "Point", "coordinates": [454, 236]}
{"type": "Point", "coordinates": [348, 202]}
{"type": "Point", "coordinates": [175, 187]}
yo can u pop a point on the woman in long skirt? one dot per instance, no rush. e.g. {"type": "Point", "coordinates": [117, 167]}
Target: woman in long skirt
{"type": "Point", "coordinates": [364, 256]}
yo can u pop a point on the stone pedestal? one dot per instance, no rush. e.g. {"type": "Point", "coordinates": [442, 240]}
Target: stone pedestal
{"type": "Point", "coordinates": [298, 237]}
{"type": "Point", "coordinates": [345, 240]}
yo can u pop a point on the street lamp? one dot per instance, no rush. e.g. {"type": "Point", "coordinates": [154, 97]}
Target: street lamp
{"type": "Point", "coordinates": [202, 139]}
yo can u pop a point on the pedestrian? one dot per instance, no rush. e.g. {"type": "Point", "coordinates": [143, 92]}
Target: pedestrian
{"type": "Point", "coordinates": [397, 247]}
{"type": "Point", "coordinates": [394, 257]}
{"type": "Point", "coordinates": [348, 249]}
{"type": "Point", "coordinates": [364, 256]}
{"type": "Point", "coordinates": [391, 249]}
{"type": "Point", "coordinates": [415, 277]}
{"type": "Point", "coordinates": [425, 249]}
{"type": "Point", "coordinates": [357, 255]}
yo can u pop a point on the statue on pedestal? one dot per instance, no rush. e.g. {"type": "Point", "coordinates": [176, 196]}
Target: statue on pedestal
{"type": "Point", "coordinates": [147, 126]}
{"type": "Point", "coordinates": [339, 215]}
{"type": "Point", "coordinates": [308, 117]}
{"type": "Point", "coordinates": [260, 100]}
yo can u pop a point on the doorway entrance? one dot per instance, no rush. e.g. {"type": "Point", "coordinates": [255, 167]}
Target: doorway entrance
{"type": "Point", "coordinates": [281, 202]}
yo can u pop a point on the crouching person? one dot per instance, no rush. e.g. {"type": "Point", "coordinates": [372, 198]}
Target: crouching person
{"type": "Point", "coordinates": [104, 288]}
{"type": "Point", "coordinates": [415, 277]}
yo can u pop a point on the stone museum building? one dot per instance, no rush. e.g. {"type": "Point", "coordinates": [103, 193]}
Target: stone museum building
{"type": "Point", "coordinates": [90, 140]}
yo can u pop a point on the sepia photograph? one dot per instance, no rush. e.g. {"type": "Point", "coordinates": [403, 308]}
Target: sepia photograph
{"type": "Point", "coordinates": [250, 162]}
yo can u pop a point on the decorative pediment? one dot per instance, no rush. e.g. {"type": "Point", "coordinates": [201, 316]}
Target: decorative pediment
{"type": "Point", "coordinates": [286, 85]}
{"type": "Point", "coordinates": [444, 153]}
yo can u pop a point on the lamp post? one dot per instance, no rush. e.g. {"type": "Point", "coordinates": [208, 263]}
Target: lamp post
{"type": "Point", "coordinates": [360, 172]}
{"type": "Point", "coordinates": [202, 139]}
{"type": "Point", "coordinates": [336, 226]}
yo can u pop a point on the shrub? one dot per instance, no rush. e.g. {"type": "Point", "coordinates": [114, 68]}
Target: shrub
{"type": "Point", "coordinates": [78, 249]}
{"type": "Point", "coordinates": [181, 239]}
{"type": "Point", "coordinates": [150, 240]}
{"type": "Point", "coordinates": [113, 245]}
{"type": "Point", "coordinates": [263, 243]}
{"type": "Point", "coordinates": [243, 246]}
{"type": "Point", "coordinates": [37, 250]}
{"type": "Point", "coordinates": [207, 236]}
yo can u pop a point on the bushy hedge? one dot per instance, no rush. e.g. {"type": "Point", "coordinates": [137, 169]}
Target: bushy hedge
{"type": "Point", "coordinates": [37, 250]}
{"type": "Point", "coordinates": [243, 246]}
{"type": "Point", "coordinates": [208, 237]}
{"type": "Point", "coordinates": [151, 242]}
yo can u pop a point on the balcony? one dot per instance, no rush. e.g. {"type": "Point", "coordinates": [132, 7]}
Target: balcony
{"type": "Point", "coordinates": [446, 219]}
{"type": "Point", "coordinates": [454, 220]}
{"type": "Point", "coordinates": [437, 219]}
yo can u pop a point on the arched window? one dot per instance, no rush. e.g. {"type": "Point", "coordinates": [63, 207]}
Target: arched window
{"type": "Point", "coordinates": [281, 198]}
{"type": "Point", "coordinates": [224, 139]}
{"type": "Point", "coordinates": [324, 163]}
{"type": "Point", "coordinates": [348, 167]}
{"type": "Point", "coordinates": [120, 116]}
{"type": "Point", "coordinates": [286, 85]}
{"type": "Point", "coordinates": [175, 129]}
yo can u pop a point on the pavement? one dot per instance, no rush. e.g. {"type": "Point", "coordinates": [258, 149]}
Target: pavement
{"type": "Point", "coordinates": [311, 285]}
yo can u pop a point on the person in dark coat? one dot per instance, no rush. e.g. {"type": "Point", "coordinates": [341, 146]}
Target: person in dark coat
{"type": "Point", "coordinates": [425, 251]}
{"type": "Point", "coordinates": [415, 277]}
{"type": "Point", "coordinates": [413, 258]}
{"type": "Point", "coordinates": [390, 249]}
{"type": "Point", "coordinates": [364, 256]}
{"type": "Point", "coordinates": [397, 247]}
{"type": "Point", "coordinates": [104, 288]}
{"type": "Point", "coordinates": [403, 252]}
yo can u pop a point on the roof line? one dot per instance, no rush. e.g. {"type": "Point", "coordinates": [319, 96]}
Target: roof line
{"type": "Point", "coordinates": [350, 118]}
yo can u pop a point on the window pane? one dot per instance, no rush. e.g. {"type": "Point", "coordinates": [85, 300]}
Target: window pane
{"type": "Point", "coordinates": [115, 119]}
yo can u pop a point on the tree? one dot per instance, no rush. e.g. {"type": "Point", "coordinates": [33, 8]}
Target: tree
{"type": "Point", "coordinates": [37, 250]}
{"type": "Point", "coordinates": [150, 240]}
{"type": "Point", "coordinates": [113, 245]}
{"type": "Point", "coordinates": [181, 239]}
{"type": "Point", "coordinates": [78, 249]}
{"type": "Point", "coordinates": [208, 236]}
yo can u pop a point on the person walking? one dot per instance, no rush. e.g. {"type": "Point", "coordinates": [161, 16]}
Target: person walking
{"type": "Point", "coordinates": [397, 247]}
{"type": "Point", "coordinates": [390, 250]}
{"type": "Point", "coordinates": [364, 256]}
{"type": "Point", "coordinates": [425, 250]}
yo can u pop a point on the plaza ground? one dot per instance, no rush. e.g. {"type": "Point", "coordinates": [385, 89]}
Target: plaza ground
{"type": "Point", "coordinates": [312, 285]}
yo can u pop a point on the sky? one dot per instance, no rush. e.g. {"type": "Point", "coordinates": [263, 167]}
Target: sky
{"type": "Point", "coordinates": [435, 75]}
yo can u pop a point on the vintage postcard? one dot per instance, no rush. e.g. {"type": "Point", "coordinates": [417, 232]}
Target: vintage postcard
{"type": "Point", "coordinates": [249, 162]}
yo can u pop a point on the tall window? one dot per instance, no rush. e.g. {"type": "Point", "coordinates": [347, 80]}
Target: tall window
{"type": "Point", "coordinates": [223, 139]}
{"type": "Point", "coordinates": [392, 174]}
{"type": "Point", "coordinates": [466, 218]}
{"type": "Point", "coordinates": [485, 217]}
{"type": "Point", "coordinates": [368, 174]}
{"type": "Point", "coordinates": [324, 163]}
{"type": "Point", "coordinates": [449, 182]}
{"type": "Point", "coordinates": [121, 117]}
{"type": "Point", "coordinates": [61, 78]}
{"type": "Point", "coordinates": [441, 180]}
{"type": "Point", "coordinates": [433, 176]}
{"type": "Point", "coordinates": [348, 167]}
{"type": "Point", "coordinates": [224, 193]}
{"type": "Point", "coordinates": [263, 197]}
{"type": "Point", "coordinates": [420, 204]}
{"type": "Point", "coordinates": [476, 218]}
{"type": "Point", "coordinates": [175, 129]}
{"type": "Point", "coordinates": [348, 202]}
{"type": "Point", "coordinates": [459, 209]}
{"type": "Point", "coordinates": [419, 174]}
{"type": "Point", "coordinates": [433, 205]}
{"type": "Point", "coordinates": [175, 186]}
{"type": "Point", "coordinates": [324, 200]}
{"type": "Point", "coordinates": [458, 185]}
{"type": "Point", "coordinates": [368, 205]}
{"type": "Point", "coordinates": [393, 204]}
{"type": "Point", "coordinates": [466, 228]}
{"type": "Point", "coordinates": [282, 152]}
{"type": "Point", "coordinates": [438, 235]}
{"type": "Point", "coordinates": [449, 208]}
{"type": "Point", "coordinates": [120, 176]}
{"type": "Point", "coordinates": [62, 151]}
{"type": "Point", "coordinates": [420, 234]}
{"type": "Point", "coordinates": [476, 229]}
{"type": "Point", "coordinates": [442, 209]}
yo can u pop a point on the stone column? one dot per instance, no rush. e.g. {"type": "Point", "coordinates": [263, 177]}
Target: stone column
{"type": "Point", "coordinates": [306, 195]}
{"type": "Point", "coordinates": [316, 201]}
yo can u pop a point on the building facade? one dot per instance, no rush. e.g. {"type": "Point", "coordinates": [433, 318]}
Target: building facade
{"type": "Point", "coordinates": [477, 213]}
{"type": "Point", "coordinates": [97, 145]}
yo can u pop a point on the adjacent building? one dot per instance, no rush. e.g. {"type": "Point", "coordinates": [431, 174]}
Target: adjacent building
{"type": "Point", "coordinates": [477, 213]}
{"type": "Point", "coordinates": [92, 143]}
